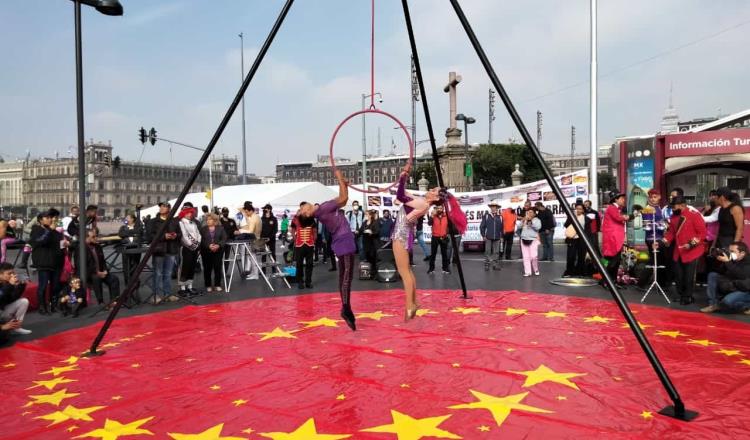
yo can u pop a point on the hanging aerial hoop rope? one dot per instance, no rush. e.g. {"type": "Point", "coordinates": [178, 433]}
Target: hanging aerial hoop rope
{"type": "Point", "coordinates": [371, 109]}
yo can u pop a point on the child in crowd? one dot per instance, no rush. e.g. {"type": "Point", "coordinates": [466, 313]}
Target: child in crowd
{"type": "Point", "coordinates": [72, 299]}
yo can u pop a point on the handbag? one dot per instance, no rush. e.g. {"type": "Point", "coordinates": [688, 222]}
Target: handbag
{"type": "Point", "coordinates": [67, 269]}
{"type": "Point", "coordinates": [526, 242]}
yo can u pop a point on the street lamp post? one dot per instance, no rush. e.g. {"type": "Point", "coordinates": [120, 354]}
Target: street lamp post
{"type": "Point", "coordinates": [364, 148]}
{"type": "Point", "coordinates": [106, 7]}
{"type": "Point", "coordinates": [468, 172]}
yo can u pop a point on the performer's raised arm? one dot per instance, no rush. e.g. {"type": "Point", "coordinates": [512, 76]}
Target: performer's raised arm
{"type": "Point", "coordinates": [343, 189]}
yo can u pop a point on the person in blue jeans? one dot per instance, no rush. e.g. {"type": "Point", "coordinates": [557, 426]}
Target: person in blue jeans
{"type": "Point", "coordinates": [165, 250]}
{"type": "Point", "coordinates": [547, 233]}
{"type": "Point", "coordinates": [732, 276]}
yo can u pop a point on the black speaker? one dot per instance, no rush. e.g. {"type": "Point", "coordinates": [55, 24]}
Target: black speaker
{"type": "Point", "coordinates": [386, 266]}
{"type": "Point", "coordinates": [365, 270]}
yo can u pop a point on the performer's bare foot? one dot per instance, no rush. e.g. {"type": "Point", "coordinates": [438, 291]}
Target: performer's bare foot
{"type": "Point", "coordinates": [411, 312]}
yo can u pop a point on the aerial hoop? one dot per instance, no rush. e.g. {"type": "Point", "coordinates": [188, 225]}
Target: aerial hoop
{"type": "Point", "coordinates": [372, 109]}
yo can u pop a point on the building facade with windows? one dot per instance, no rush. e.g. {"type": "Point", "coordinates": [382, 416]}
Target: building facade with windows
{"type": "Point", "coordinates": [115, 186]}
{"type": "Point", "coordinates": [11, 184]}
{"type": "Point", "coordinates": [380, 171]}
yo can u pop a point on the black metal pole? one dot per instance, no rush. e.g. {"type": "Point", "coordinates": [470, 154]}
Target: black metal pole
{"type": "Point", "coordinates": [431, 134]}
{"type": "Point", "coordinates": [81, 263]}
{"type": "Point", "coordinates": [193, 176]}
{"type": "Point", "coordinates": [678, 410]}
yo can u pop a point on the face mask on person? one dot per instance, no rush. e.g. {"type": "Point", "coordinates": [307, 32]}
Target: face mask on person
{"type": "Point", "coordinates": [733, 256]}
{"type": "Point", "coordinates": [676, 211]}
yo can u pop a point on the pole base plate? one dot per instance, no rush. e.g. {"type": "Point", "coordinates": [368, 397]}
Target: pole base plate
{"type": "Point", "coordinates": [686, 415]}
{"type": "Point", "coordinates": [89, 354]}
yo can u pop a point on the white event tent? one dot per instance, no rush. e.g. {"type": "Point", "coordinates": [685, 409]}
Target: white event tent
{"type": "Point", "coordinates": [282, 196]}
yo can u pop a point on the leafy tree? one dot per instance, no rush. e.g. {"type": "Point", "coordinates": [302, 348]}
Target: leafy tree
{"type": "Point", "coordinates": [494, 163]}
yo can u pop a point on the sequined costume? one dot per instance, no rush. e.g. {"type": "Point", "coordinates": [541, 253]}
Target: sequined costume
{"type": "Point", "coordinates": [406, 220]}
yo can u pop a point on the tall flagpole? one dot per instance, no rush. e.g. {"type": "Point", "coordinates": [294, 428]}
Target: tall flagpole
{"type": "Point", "coordinates": [594, 159]}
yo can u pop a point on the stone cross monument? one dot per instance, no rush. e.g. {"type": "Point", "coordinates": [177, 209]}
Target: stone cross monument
{"type": "Point", "coordinates": [452, 154]}
{"type": "Point", "coordinates": [453, 133]}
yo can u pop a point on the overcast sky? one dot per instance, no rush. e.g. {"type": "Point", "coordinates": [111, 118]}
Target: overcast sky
{"type": "Point", "coordinates": [175, 65]}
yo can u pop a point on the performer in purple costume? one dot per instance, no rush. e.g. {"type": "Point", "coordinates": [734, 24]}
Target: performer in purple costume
{"type": "Point", "coordinates": [342, 242]}
{"type": "Point", "coordinates": [412, 208]}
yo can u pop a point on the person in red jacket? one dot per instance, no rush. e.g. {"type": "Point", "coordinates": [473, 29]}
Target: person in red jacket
{"type": "Point", "coordinates": [613, 232]}
{"type": "Point", "coordinates": [687, 231]}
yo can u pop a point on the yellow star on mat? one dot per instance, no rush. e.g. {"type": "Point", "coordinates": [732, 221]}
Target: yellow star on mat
{"type": "Point", "coordinates": [642, 326]}
{"type": "Point", "coordinates": [26, 413]}
{"type": "Point", "coordinates": [597, 318]}
{"type": "Point", "coordinates": [544, 374]}
{"type": "Point", "coordinates": [405, 385]}
{"type": "Point", "coordinates": [139, 335]}
{"type": "Point", "coordinates": [258, 360]}
{"type": "Point", "coordinates": [305, 432]}
{"type": "Point", "coordinates": [126, 339]}
{"type": "Point", "coordinates": [408, 428]}
{"type": "Point", "coordinates": [484, 428]}
{"type": "Point", "coordinates": [500, 407]}
{"type": "Point", "coordinates": [422, 312]}
{"type": "Point", "coordinates": [508, 327]}
{"type": "Point", "coordinates": [277, 333]}
{"type": "Point", "coordinates": [111, 345]}
{"type": "Point", "coordinates": [239, 402]}
{"type": "Point", "coordinates": [377, 316]}
{"type": "Point", "coordinates": [158, 348]}
{"type": "Point", "coordinates": [322, 322]}
{"type": "Point", "coordinates": [70, 413]}
{"type": "Point", "coordinates": [745, 361]}
{"type": "Point", "coordinates": [729, 353]}
{"type": "Point", "coordinates": [113, 429]}
{"type": "Point", "coordinates": [9, 365]}
{"type": "Point", "coordinates": [52, 399]}
{"type": "Point", "coordinates": [71, 360]}
{"type": "Point", "coordinates": [647, 415]}
{"type": "Point", "coordinates": [214, 387]}
{"type": "Point", "coordinates": [671, 334]}
{"type": "Point", "coordinates": [703, 342]}
{"type": "Point", "coordinates": [617, 378]}
{"type": "Point", "coordinates": [511, 311]}
{"type": "Point", "coordinates": [116, 397]}
{"type": "Point", "coordinates": [72, 428]}
{"type": "Point", "coordinates": [466, 310]}
{"type": "Point", "coordinates": [561, 398]}
{"type": "Point", "coordinates": [380, 366]}
{"type": "Point", "coordinates": [51, 384]}
{"type": "Point", "coordinates": [248, 431]}
{"type": "Point", "coordinates": [135, 365]}
{"type": "Point", "coordinates": [388, 350]}
{"type": "Point", "coordinates": [341, 397]}
{"type": "Point", "coordinates": [455, 365]}
{"type": "Point", "coordinates": [510, 349]}
{"type": "Point", "coordinates": [213, 433]}
{"type": "Point", "coordinates": [552, 314]}
{"type": "Point", "coordinates": [190, 360]}
{"type": "Point", "coordinates": [56, 371]}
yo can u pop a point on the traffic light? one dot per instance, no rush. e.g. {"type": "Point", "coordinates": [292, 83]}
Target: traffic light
{"type": "Point", "coordinates": [142, 135]}
{"type": "Point", "coordinates": [152, 135]}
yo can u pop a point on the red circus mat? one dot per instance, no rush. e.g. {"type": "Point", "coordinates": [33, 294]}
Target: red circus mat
{"type": "Point", "coordinates": [501, 365]}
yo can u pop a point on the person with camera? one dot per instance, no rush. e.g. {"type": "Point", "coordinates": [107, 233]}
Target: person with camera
{"type": "Point", "coordinates": [686, 234]}
{"type": "Point", "coordinates": [13, 305]}
{"type": "Point", "coordinates": [730, 277]}
{"type": "Point", "coordinates": [528, 231]}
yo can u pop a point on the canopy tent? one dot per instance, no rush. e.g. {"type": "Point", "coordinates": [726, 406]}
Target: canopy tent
{"type": "Point", "coordinates": [282, 196]}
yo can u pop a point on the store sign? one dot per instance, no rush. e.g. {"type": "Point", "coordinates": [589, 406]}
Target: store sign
{"type": "Point", "coordinates": [708, 142]}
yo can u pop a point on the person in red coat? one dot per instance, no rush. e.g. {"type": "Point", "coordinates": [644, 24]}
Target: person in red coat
{"type": "Point", "coordinates": [613, 232]}
{"type": "Point", "coordinates": [687, 231]}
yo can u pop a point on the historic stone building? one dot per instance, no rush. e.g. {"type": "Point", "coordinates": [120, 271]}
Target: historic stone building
{"type": "Point", "coordinates": [11, 185]}
{"type": "Point", "coordinates": [115, 186]}
{"type": "Point", "coordinates": [380, 171]}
